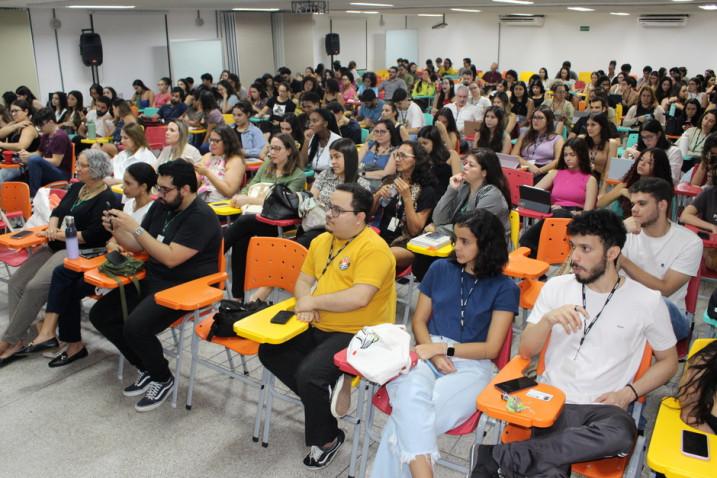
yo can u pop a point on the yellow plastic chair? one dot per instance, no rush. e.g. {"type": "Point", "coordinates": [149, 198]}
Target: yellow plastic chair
{"type": "Point", "coordinates": [585, 76]}
{"type": "Point", "coordinates": [228, 118]}
{"type": "Point", "coordinates": [514, 219]}
{"type": "Point", "coordinates": [525, 75]}
{"type": "Point", "coordinates": [618, 113]}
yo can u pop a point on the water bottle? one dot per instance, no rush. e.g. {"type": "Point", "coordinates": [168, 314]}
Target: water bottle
{"type": "Point", "coordinates": [385, 201]}
{"type": "Point", "coordinates": [673, 110]}
{"type": "Point", "coordinates": [71, 242]}
{"type": "Point", "coordinates": [91, 130]}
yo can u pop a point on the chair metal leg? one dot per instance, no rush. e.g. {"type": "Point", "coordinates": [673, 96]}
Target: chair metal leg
{"type": "Point", "coordinates": [360, 422]}
{"type": "Point", "coordinates": [267, 415]}
{"type": "Point", "coordinates": [368, 418]}
{"type": "Point", "coordinates": [230, 359]}
{"type": "Point", "coordinates": [178, 360]}
{"type": "Point", "coordinates": [260, 404]}
{"type": "Point", "coordinates": [120, 367]}
{"type": "Point", "coordinates": [193, 369]}
{"type": "Point", "coordinates": [243, 364]}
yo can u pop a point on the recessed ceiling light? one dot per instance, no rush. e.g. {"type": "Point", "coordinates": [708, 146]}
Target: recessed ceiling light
{"type": "Point", "coordinates": [466, 10]}
{"type": "Point", "coordinates": [518, 2]}
{"type": "Point", "coordinates": [710, 6]}
{"type": "Point", "coordinates": [239, 9]}
{"type": "Point", "coordinates": [368, 12]}
{"type": "Point", "coordinates": [103, 7]}
{"type": "Point", "coordinates": [522, 14]}
{"type": "Point", "coordinates": [364, 4]}
{"type": "Point", "coordinates": [430, 15]}
{"type": "Point", "coordinates": [620, 14]}
{"type": "Point", "coordinates": [681, 1]}
{"type": "Point", "coordinates": [581, 9]}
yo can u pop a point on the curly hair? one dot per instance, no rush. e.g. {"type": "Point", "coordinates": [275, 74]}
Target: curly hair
{"type": "Point", "coordinates": [702, 369]}
{"type": "Point", "coordinates": [422, 172]}
{"type": "Point", "coordinates": [492, 248]}
{"type": "Point", "coordinates": [602, 223]}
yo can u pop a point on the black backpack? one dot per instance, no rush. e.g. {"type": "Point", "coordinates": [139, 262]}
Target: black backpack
{"type": "Point", "coordinates": [231, 311]}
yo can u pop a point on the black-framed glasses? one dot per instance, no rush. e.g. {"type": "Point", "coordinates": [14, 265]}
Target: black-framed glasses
{"type": "Point", "coordinates": [165, 190]}
{"type": "Point", "coordinates": [336, 211]}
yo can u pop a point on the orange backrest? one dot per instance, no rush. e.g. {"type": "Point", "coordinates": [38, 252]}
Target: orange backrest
{"type": "Point", "coordinates": [517, 178]}
{"type": "Point", "coordinates": [273, 262]}
{"type": "Point", "coordinates": [222, 262]}
{"type": "Point", "coordinates": [15, 196]}
{"type": "Point", "coordinates": [553, 246]}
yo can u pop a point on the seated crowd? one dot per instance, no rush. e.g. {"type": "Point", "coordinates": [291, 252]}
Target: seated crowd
{"type": "Point", "coordinates": [384, 157]}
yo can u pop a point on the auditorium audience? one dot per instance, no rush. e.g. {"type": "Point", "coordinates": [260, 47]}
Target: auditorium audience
{"type": "Point", "coordinates": [176, 140]}
{"type": "Point", "coordinates": [221, 171]}
{"type": "Point", "coordinates": [492, 134]}
{"type": "Point", "coordinates": [539, 147]}
{"type": "Point", "coordinates": [135, 150]}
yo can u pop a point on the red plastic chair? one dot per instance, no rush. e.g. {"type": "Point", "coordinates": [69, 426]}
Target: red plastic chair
{"type": "Point", "coordinates": [279, 223]}
{"type": "Point", "coordinates": [517, 178]}
{"type": "Point", "coordinates": [155, 136]}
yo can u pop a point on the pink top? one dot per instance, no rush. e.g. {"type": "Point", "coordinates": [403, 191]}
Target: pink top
{"type": "Point", "coordinates": [569, 188]}
{"type": "Point", "coordinates": [349, 94]}
{"type": "Point", "coordinates": [161, 99]}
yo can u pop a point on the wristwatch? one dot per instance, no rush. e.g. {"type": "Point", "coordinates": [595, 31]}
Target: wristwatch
{"type": "Point", "coordinates": [450, 351]}
{"type": "Point", "coordinates": [139, 231]}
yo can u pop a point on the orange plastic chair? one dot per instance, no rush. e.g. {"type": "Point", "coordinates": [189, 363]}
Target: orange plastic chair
{"type": "Point", "coordinates": [553, 246]}
{"type": "Point", "coordinates": [15, 201]}
{"type": "Point", "coordinates": [614, 467]}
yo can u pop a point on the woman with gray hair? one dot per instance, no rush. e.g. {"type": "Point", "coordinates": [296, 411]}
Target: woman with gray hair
{"type": "Point", "coordinates": [29, 285]}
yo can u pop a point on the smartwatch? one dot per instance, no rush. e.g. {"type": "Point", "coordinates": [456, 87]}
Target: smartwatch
{"type": "Point", "coordinates": [450, 351]}
{"type": "Point", "coordinates": [139, 231]}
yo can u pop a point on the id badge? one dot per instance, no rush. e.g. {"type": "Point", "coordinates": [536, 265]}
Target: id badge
{"type": "Point", "coordinates": [569, 368]}
{"type": "Point", "coordinates": [160, 238]}
{"type": "Point", "coordinates": [393, 224]}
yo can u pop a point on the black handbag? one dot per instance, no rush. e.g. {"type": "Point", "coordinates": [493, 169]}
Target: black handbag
{"type": "Point", "coordinates": [229, 312]}
{"type": "Point", "coordinates": [281, 203]}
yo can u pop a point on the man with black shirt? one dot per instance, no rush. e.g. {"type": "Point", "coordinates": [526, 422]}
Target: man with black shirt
{"type": "Point", "coordinates": [597, 105]}
{"type": "Point", "coordinates": [348, 127]}
{"type": "Point", "coordinates": [181, 235]}
{"type": "Point", "coordinates": [175, 108]}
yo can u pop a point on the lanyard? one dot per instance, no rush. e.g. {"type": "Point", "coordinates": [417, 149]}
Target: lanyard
{"type": "Point", "coordinates": [464, 302]}
{"type": "Point", "coordinates": [333, 256]}
{"type": "Point", "coordinates": [696, 143]}
{"type": "Point", "coordinates": [588, 327]}
{"type": "Point", "coordinates": [168, 221]}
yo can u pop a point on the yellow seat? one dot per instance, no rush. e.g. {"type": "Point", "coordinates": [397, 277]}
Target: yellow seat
{"type": "Point", "coordinates": [585, 76]}
{"type": "Point", "coordinates": [514, 219]}
{"type": "Point", "coordinates": [525, 75]}
{"type": "Point", "coordinates": [228, 118]}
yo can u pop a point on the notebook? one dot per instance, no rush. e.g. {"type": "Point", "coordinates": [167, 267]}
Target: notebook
{"type": "Point", "coordinates": [534, 199]}
{"type": "Point", "coordinates": [471, 127]}
{"type": "Point", "coordinates": [434, 240]}
{"type": "Point", "coordinates": [508, 161]}
{"type": "Point", "coordinates": [618, 168]}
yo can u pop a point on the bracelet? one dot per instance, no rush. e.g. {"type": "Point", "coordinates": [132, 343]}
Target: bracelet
{"type": "Point", "coordinates": [629, 385]}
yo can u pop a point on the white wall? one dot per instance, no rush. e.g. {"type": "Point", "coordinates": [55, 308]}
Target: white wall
{"type": "Point", "coordinates": [18, 62]}
{"type": "Point", "coordinates": [298, 41]}
{"type": "Point", "coordinates": [254, 44]}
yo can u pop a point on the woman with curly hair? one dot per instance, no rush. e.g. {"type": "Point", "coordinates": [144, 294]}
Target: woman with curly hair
{"type": "Point", "coordinates": [698, 390]}
{"type": "Point", "coordinates": [403, 205]}
{"type": "Point", "coordinates": [455, 343]}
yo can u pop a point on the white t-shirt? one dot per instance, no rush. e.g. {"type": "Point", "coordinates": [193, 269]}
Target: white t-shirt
{"type": "Point", "coordinates": [123, 160]}
{"type": "Point", "coordinates": [680, 250]}
{"type": "Point", "coordinates": [137, 215]}
{"type": "Point", "coordinates": [321, 159]}
{"type": "Point", "coordinates": [102, 124]}
{"type": "Point", "coordinates": [674, 155]}
{"type": "Point", "coordinates": [190, 153]}
{"type": "Point", "coordinates": [611, 353]}
{"type": "Point", "coordinates": [412, 117]}
{"type": "Point", "coordinates": [482, 103]}
{"type": "Point", "coordinates": [468, 113]}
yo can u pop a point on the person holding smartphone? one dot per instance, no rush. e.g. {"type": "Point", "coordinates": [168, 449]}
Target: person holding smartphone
{"type": "Point", "coordinates": [464, 311]}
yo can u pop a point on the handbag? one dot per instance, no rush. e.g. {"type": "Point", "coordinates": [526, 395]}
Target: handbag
{"type": "Point", "coordinates": [380, 352]}
{"type": "Point", "coordinates": [280, 203]}
{"type": "Point", "coordinates": [229, 312]}
{"type": "Point", "coordinates": [255, 191]}
{"type": "Point", "coordinates": [128, 267]}
{"type": "Point", "coordinates": [312, 215]}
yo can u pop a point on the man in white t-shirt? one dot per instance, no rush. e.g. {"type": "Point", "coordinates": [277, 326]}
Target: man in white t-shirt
{"type": "Point", "coordinates": [597, 324]}
{"type": "Point", "coordinates": [409, 113]}
{"type": "Point", "coordinates": [462, 110]}
{"type": "Point", "coordinates": [659, 253]}
{"type": "Point", "coordinates": [101, 117]}
{"type": "Point", "coordinates": [477, 99]}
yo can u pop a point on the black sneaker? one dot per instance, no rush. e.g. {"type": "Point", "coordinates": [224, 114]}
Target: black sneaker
{"type": "Point", "coordinates": [140, 385]}
{"type": "Point", "coordinates": [319, 458]}
{"type": "Point", "coordinates": [156, 394]}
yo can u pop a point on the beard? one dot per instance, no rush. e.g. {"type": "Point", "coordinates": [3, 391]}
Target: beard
{"type": "Point", "coordinates": [173, 205]}
{"type": "Point", "coordinates": [593, 274]}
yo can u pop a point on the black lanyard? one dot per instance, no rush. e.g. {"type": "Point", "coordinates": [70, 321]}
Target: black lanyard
{"type": "Point", "coordinates": [464, 302]}
{"type": "Point", "coordinates": [588, 327]}
{"type": "Point", "coordinates": [333, 256]}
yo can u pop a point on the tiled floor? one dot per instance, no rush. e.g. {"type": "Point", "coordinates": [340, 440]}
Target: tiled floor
{"type": "Point", "coordinates": [74, 422]}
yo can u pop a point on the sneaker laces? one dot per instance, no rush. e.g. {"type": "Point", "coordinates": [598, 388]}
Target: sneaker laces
{"type": "Point", "coordinates": [315, 453]}
{"type": "Point", "coordinates": [154, 389]}
{"type": "Point", "coordinates": [140, 377]}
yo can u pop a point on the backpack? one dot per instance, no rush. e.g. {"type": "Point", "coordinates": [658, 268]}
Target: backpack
{"type": "Point", "coordinates": [229, 312]}
{"type": "Point", "coordinates": [127, 267]}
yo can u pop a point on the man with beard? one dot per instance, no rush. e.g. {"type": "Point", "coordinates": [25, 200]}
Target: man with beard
{"type": "Point", "coordinates": [182, 236]}
{"type": "Point", "coordinates": [597, 323]}
{"type": "Point", "coordinates": [658, 253]}
{"type": "Point", "coordinates": [346, 283]}
{"type": "Point", "coordinates": [175, 108]}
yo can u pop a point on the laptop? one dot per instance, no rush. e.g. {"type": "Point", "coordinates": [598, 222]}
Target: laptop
{"type": "Point", "coordinates": [534, 199]}
{"type": "Point", "coordinates": [618, 168]}
{"type": "Point", "coordinates": [508, 161]}
{"type": "Point", "coordinates": [471, 127]}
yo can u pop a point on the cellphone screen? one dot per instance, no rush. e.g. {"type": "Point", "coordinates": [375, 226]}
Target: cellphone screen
{"type": "Point", "coordinates": [694, 444]}
{"type": "Point", "coordinates": [21, 234]}
{"type": "Point", "coordinates": [282, 317]}
{"type": "Point", "coordinates": [512, 386]}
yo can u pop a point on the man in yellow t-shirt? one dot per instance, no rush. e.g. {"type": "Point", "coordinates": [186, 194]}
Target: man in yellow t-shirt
{"type": "Point", "coordinates": [346, 283]}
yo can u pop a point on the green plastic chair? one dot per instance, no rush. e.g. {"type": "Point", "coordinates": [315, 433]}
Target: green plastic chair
{"type": "Point", "coordinates": [364, 135]}
{"type": "Point", "coordinates": [632, 140]}
{"type": "Point", "coordinates": [428, 119]}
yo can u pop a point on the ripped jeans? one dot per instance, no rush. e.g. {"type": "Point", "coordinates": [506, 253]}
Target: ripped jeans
{"type": "Point", "coordinates": [427, 403]}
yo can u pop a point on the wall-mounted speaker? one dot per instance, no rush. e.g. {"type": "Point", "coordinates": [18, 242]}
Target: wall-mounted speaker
{"type": "Point", "coordinates": [332, 44]}
{"type": "Point", "coordinates": [91, 49]}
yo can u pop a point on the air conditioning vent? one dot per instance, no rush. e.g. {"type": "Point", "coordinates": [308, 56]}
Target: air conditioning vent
{"type": "Point", "coordinates": [663, 21]}
{"type": "Point", "coordinates": [522, 20]}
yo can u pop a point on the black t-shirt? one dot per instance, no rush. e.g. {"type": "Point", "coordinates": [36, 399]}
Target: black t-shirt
{"type": "Point", "coordinates": [706, 204]}
{"type": "Point", "coordinates": [427, 199]}
{"type": "Point", "coordinates": [351, 130]}
{"type": "Point", "coordinates": [87, 214]}
{"type": "Point", "coordinates": [279, 109]}
{"type": "Point", "coordinates": [196, 227]}
{"type": "Point", "coordinates": [581, 127]}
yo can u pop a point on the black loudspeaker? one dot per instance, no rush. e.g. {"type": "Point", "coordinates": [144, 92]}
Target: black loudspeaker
{"type": "Point", "coordinates": [333, 46]}
{"type": "Point", "coordinates": [91, 49]}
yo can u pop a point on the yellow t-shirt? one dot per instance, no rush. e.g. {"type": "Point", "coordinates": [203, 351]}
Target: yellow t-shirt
{"type": "Point", "coordinates": [367, 260]}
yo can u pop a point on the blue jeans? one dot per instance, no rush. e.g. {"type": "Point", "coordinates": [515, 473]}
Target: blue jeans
{"type": "Point", "coordinates": [41, 172]}
{"type": "Point", "coordinates": [426, 404]}
{"type": "Point", "coordinates": [680, 324]}
{"type": "Point", "coordinates": [10, 174]}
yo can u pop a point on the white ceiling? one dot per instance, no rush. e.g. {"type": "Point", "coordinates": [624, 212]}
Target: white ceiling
{"type": "Point", "coordinates": [400, 6]}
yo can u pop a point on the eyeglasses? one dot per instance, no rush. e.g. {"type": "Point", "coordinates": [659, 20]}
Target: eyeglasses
{"type": "Point", "coordinates": [380, 131]}
{"type": "Point", "coordinates": [215, 141]}
{"type": "Point", "coordinates": [275, 148]}
{"type": "Point", "coordinates": [538, 117]}
{"type": "Point", "coordinates": [335, 211]}
{"type": "Point", "coordinates": [647, 137]}
{"type": "Point", "coordinates": [165, 190]}
{"type": "Point", "coordinates": [402, 155]}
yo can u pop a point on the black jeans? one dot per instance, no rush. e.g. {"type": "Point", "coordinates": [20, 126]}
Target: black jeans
{"type": "Point", "coordinates": [65, 299]}
{"type": "Point", "coordinates": [305, 237]}
{"type": "Point", "coordinates": [305, 364]}
{"type": "Point", "coordinates": [581, 433]}
{"type": "Point", "coordinates": [531, 236]}
{"type": "Point", "coordinates": [136, 338]}
{"type": "Point", "coordinates": [236, 238]}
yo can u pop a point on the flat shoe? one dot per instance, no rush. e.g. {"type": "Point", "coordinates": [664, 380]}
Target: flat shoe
{"type": "Point", "coordinates": [41, 347]}
{"type": "Point", "coordinates": [63, 359]}
{"type": "Point", "coordinates": [10, 359]}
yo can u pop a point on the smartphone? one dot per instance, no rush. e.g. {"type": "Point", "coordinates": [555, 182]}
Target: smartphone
{"type": "Point", "coordinates": [695, 445]}
{"type": "Point", "coordinates": [282, 317]}
{"type": "Point", "coordinates": [21, 234]}
{"type": "Point", "coordinates": [90, 253]}
{"type": "Point", "coordinates": [116, 258]}
{"type": "Point", "coordinates": [703, 235]}
{"type": "Point", "coordinates": [108, 207]}
{"type": "Point", "coordinates": [512, 386]}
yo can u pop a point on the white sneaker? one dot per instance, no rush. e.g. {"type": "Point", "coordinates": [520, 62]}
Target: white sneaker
{"type": "Point", "coordinates": [341, 396]}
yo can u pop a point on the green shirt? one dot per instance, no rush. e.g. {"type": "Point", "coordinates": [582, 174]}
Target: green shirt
{"type": "Point", "coordinates": [295, 181]}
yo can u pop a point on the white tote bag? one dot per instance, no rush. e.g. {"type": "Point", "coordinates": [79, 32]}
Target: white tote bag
{"type": "Point", "coordinates": [380, 352]}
